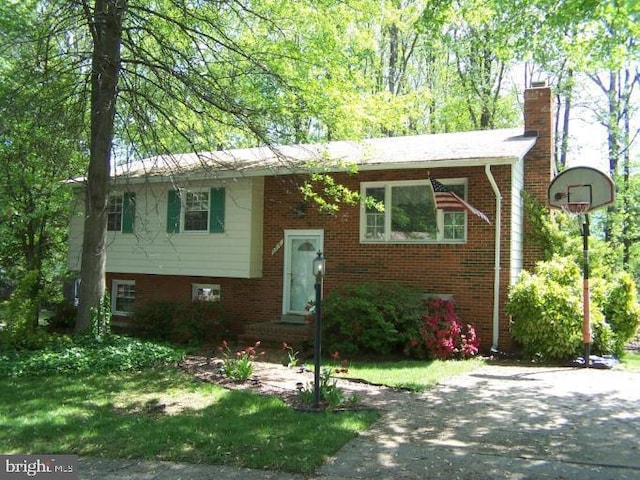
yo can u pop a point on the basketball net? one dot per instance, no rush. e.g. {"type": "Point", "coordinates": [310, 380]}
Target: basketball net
{"type": "Point", "coordinates": [576, 208]}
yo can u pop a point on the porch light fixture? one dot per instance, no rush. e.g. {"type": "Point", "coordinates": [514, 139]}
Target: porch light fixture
{"type": "Point", "coordinates": [319, 269]}
{"type": "Point", "coordinates": [319, 264]}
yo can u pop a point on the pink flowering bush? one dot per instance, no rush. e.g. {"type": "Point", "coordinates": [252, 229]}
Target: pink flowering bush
{"type": "Point", "coordinates": [444, 335]}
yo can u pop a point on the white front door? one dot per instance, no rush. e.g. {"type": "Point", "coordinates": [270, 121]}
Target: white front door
{"type": "Point", "coordinates": [300, 248]}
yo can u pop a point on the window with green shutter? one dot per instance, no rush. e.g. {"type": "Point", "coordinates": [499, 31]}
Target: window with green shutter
{"type": "Point", "coordinates": [198, 209]}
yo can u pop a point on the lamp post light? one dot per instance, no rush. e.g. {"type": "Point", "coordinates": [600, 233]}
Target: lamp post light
{"type": "Point", "coordinates": [319, 266]}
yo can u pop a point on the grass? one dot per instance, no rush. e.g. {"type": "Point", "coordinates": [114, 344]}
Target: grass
{"type": "Point", "coordinates": [103, 397]}
{"type": "Point", "coordinates": [631, 361]}
{"type": "Point", "coordinates": [114, 416]}
{"type": "Point", "coordinates": [415, 375]}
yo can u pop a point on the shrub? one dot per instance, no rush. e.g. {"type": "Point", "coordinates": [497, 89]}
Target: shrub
{"type": "Point", "coordinates": [181, 322]}
{"type": "Point", "coordinates": [546, 311]}
{"type": "Point", "coordinates": [621, 310]}
{"type": "Point", "coordinates": [444, 335]}
{"type": "Point", "coordinates": [547, 314]}
{"type": "Point", "coordinates": [371, 318]}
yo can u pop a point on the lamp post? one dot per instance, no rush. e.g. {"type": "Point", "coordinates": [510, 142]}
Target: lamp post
{"type": "Point", "coordinates": [319, 265]}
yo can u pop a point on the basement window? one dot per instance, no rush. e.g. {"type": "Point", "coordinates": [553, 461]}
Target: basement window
{"type": "Point", "coordinates": [204, 292]}
{"type": "Point", "coordinates": [123, 296]}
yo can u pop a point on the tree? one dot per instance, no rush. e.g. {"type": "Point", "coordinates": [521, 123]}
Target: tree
{"type": "Point", "coordinates": [37, 102]}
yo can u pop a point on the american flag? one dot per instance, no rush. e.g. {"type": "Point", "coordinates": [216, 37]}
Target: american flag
{"type": "Point", "coordinates": [449, 200]}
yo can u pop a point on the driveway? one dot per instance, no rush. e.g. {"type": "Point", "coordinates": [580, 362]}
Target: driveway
{"type": "Point", "coordinates": [504, 422]}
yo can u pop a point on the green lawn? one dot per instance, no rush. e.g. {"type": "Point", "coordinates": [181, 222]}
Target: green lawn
{"type": "Point", "coordinates": [631, 361]}
{"type": "Point", "coordinates": [100, 397]}
{"type": "Point", "coordinates": [416, 375]}
{"type": "Point", "coordinates": [113, 416]}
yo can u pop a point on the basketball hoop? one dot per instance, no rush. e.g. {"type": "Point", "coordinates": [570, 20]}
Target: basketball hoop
{"type": "Point", "coordinates": [578, 191]}
{"type": "Point", "coordinates": [575, 209]}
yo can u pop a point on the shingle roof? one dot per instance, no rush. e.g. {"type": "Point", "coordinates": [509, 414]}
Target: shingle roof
{"type": "Point", "coordinates": [437, 150]}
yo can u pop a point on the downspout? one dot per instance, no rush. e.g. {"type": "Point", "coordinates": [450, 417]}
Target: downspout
{"type": "Point", "coordinates": [496, 274]}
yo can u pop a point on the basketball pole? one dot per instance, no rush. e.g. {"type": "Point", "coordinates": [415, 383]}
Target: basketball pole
{"type": "Point", "coordinates": [586, 326]}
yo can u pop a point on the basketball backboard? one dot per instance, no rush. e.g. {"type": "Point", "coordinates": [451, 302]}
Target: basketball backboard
{"type": "Point", "coordinates": [581, 190]}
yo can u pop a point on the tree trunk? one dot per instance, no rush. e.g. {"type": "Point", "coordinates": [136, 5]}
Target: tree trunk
{"type": "Point", "coordinates": [106, 29]}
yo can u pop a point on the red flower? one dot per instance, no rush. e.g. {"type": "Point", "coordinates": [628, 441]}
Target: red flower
{"type": "Point", "coordinates": [335, 355]}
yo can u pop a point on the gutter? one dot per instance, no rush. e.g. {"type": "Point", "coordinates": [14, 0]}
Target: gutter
{"type": "Point", "coordinates": [496, 277]}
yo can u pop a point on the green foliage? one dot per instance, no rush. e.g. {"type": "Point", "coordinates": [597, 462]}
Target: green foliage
{"type": "Point", "coordinates": [546, 310]}
{"type": "Point", "coordinates": [371, 318]}
{"type": "Point", "coordinates": [621, 309]}
{"type": "Point", "coordinates": [547, 313]}
{"type": "Point", "coordinates": [65, 355]}
{"type": "Point", "coordinates": [101, 319]}
{"type": "Point", "coordinates": [330, 396]}
{"type": "Point", "coordinates": [38, 102]}
{"type": "Point", "coordinates": [291, 359]}
{"type": "Point", "coordinates": [238, 366]}
{"type": "Point", "coordinates": [555, 234]}
{"type": "Point", "coordinates": [193, 323]}
{"type": "Point", "coordinates": [20, 315]}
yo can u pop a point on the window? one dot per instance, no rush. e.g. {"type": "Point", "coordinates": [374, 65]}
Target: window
{"type": "Point", "coordinates": [121, 212]}
{"type": "Point", "coordinates": [409, 214]}
{"type": "Point", "coordinates": [205, 293]}
{"type": "Point", "coordinates": [123, 295]}
{"type": "Point", "coordinates": [196, 211]}
{"type": "Point", "coordinates": [114, 213]}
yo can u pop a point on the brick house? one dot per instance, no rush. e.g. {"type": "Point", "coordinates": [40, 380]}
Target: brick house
{"type": "Point", "coordinates": [233, 225]}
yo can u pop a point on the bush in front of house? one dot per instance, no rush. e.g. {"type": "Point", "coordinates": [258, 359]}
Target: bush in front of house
{"type": "Point", "coordinates": [371, 318]}
{"type": "Point", "coordinates": [444, 335]}
{"type": "Point", "coordinates": [186, 323]}
{"type": "Point", "coordinates": [547, 314]}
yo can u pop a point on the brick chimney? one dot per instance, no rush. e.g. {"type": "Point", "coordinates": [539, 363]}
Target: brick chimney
{"type": "Point", "coordinates": [538, 122]}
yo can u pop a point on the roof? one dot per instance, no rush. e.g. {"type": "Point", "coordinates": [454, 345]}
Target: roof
{"type": "Point", "coordinates": [475, 148]}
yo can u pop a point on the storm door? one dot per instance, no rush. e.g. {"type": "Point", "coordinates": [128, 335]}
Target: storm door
{"type": "Point", "coordinates": [300, 248]}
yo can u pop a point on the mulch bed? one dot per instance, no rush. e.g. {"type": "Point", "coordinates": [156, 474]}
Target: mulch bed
{"type": "Point", "coordinates": [284, 382]}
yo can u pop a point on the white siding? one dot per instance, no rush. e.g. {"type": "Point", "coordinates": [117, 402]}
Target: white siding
{"type": "Point", "coordinates": [236, 253]}
{"type": "Point", "coordinates": [517, 221]}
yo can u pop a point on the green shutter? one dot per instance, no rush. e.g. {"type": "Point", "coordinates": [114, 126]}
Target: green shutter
{"type": "Point", "coordinates": [216, 210]}
{"type": "Point", "coordinates": [128, 212]}
{"type": "Point", "coordinates": [173, 211]}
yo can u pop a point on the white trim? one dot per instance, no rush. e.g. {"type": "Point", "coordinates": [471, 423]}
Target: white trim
{"type": "Point", "coordinates": [497, 263]}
